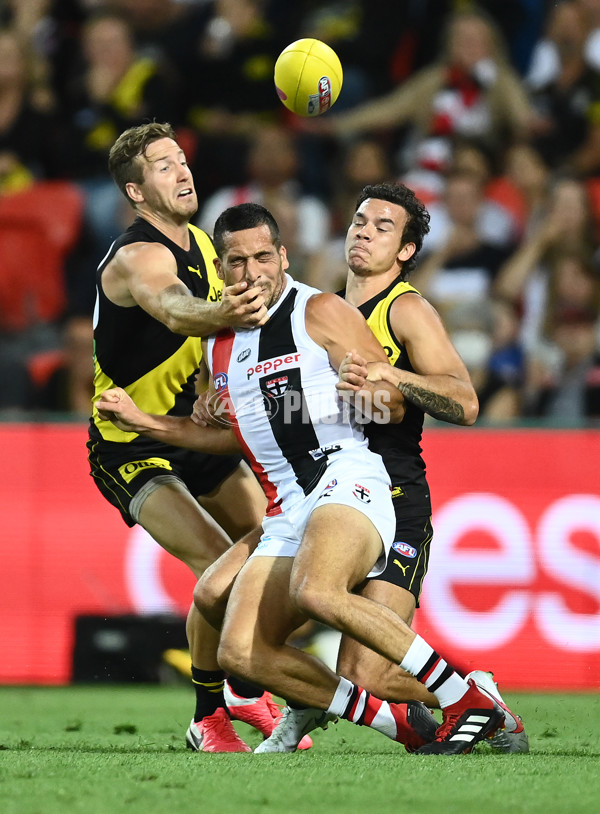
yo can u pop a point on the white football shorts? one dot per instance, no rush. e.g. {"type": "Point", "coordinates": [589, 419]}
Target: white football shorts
{"type": "Point", "coordinates": [355, 478]}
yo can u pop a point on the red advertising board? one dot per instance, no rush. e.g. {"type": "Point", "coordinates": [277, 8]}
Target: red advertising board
{"type": "Point", "coordinates": [514, 581]}
{"type": "Point", "coordinates": [514, 576]}
{"type": "Point", "coordinates": [65, 552]}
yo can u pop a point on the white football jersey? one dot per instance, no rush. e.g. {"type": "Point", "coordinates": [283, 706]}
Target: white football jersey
{"type": "Point", "coordinates": [277, 388]}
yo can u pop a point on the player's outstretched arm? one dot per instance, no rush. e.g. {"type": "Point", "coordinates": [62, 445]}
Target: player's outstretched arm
{"type": "Point", "coordinates": [117, 406]}
{"type": "Point", "coordinates": [337, 326]}
{"type": "Point", "coordinates": [145, 274]}
{"type": "Point", "coordinates": [440, 384]}
{"type": "Point", "coordinates": [241, 306]}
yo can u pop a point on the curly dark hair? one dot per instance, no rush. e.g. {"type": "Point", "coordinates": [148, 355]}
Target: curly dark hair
{"type": "Point", "coordinates": [417, 224]}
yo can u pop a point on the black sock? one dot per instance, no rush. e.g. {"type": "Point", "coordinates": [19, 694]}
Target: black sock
{"type": "Point", "coordinates": [244, 688]}
{"type": "Point", "coordinates": [209, 691]}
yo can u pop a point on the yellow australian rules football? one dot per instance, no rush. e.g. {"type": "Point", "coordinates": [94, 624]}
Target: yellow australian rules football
{"type": "Point", "coordinates": [308, 77]}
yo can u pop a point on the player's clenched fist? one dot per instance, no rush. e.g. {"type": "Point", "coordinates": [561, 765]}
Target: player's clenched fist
{"type": "Point", "coordinates": [208, 412]}
{"type": "Point", "coordinates": [116, 406]}
{"type": "Point", "coordinates": [353, 372]}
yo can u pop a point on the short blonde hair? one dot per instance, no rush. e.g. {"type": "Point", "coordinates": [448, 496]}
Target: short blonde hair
{"type": "Point", "coordinates": [131, 144]}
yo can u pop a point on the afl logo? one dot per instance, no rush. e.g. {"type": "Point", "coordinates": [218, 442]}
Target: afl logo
{"type": "Point", "coordinates": [324, 93]}
{"type": "Point", "coordinates": [405, 549]}
{"type": "Point", "coordinates": [220, 380]}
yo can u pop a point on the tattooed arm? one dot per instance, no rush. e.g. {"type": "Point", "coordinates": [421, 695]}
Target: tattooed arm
{"type": "Point", "coordinates": [441, 385]}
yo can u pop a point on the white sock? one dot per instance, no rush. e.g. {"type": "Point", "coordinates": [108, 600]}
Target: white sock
{"type": "Point", "coordinates": [430, 669]}
{"type": "Point", "coordinates": [339, 702]}
{"type": "Point", "coordinates": [357, 705]}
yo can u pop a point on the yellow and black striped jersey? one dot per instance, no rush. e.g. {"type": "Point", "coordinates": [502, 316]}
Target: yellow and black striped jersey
{"type": "Point", "coordinates": [135, 351]}
{"type": "Point", "coordinates": [398, 444]}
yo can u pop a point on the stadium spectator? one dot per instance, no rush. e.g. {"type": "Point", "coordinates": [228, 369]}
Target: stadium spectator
{"type": "Point", "coordinates": [30, 152]}
{"type": "Point", "coordinates": [166, 29]}
{"type": "Point", "coordinates": [367, 35]}
{"type": "Point", "coordinates": [30, 146]}
{"type": "Point", "coordinates": [27, 21]}
{"type": "Point", "coordinates": [566, 96]}
{"type": "Point", "coordinates": [271, 173]}
{"type": "Point", "coordinates": [545, 61]}
{"type": "Point", "coordinates": [564, 387]}
{"type": "Point", "coordinates": [572, 291]}
{"type": "Point", "coordinates": [464, 263]}
{"type": "Point", "coordinates": [488, 340]}
{"type": "Point", "coordinates": [471, 91]}
{"type": "Point", "coordinates": [564, 221]}
{"type": "Point", "coordinates": [230, 93]}
{"type": "Point", "coordinates": [574, 283]}
{"type": "Point", "coordinates": [496, 222]}
{"type": "Point", "coordinates": [63, 380]}
{"type": "Point", "coordinates": [364, 161]}
{"type": "Point", "coordinates": [527, 184]}
{"type": "Point", "coordinates": [501, 210]}
{"type": "Point", "coordinates": [521, 23]}
{"type": "Point", "coordinates": [113, 88]}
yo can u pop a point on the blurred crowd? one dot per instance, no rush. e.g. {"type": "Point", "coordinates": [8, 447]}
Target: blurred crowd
{"type": "Point", "coordinates": [490, 111]}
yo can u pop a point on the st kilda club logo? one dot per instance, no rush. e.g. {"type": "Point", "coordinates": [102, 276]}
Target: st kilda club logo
{"type": "Point", "coordinates": [361, 493]}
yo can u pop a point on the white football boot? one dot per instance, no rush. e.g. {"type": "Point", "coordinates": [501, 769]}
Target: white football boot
{"type": "Point", "coordinates": [293, 726]}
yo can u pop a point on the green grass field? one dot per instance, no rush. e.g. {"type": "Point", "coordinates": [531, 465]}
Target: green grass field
{"type": "Point", "coordinates": [111, 749]}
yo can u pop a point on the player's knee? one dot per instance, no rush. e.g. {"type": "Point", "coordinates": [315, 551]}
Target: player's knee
{"type": "Point", "coordinates": [208, 593]}
{"type": "Point", "coordinates": [314, 601]}
{"type": "Point", "coordinates": [202, 596]}
{"type": "Point", "coordinates": [244, 657]}
{"type": "Point", "coordinates": [234, 657]}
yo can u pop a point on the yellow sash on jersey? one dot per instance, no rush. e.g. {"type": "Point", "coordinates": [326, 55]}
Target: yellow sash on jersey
{"type": "Point", "coordinates": [215, 291]}
{"type": "Point", "coordinates": [156, 390]}
{"type": "Point", "coordinates": [379, 321]}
